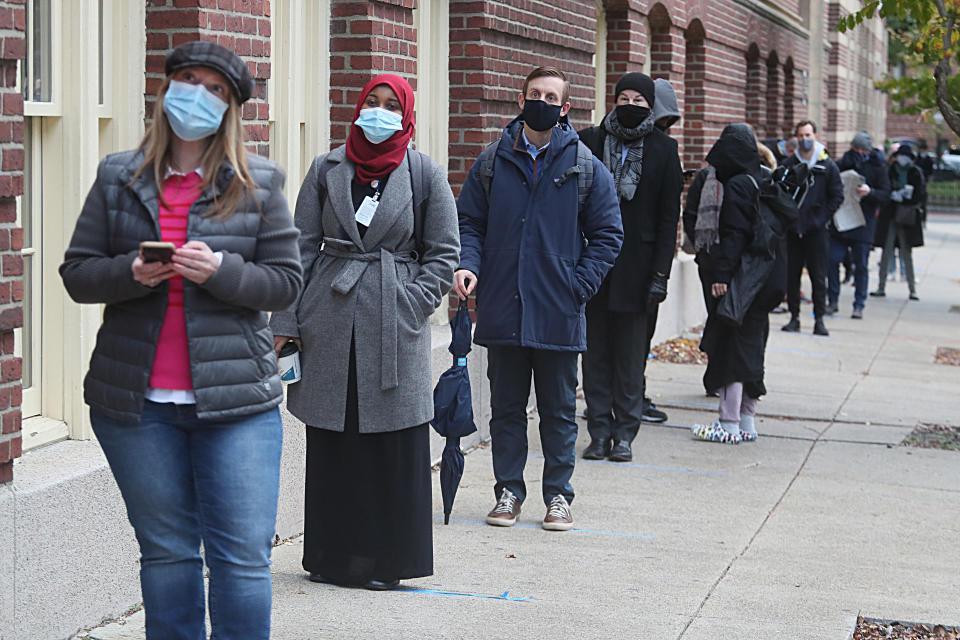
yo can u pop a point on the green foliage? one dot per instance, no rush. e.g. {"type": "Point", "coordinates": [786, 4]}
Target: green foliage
{"type": "Point", "coordinates": [922, 34]}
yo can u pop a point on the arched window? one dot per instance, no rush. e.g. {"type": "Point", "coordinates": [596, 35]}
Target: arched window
{"type": "Point", "coordinates": [694, 98]}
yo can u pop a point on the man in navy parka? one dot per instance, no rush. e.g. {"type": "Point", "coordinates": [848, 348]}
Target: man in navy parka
{"type": "Point", "coordinates": [535, 257]}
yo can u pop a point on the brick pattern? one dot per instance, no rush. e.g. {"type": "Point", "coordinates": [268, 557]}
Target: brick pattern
{"type": "Point", "coordinates": [367, 37]}
{"type": "Point", "coordinates": [914, 126]}
{"type": "Point", "coordinates": [855, 60]}
{"type": "Point", "coordinates": [12, 48]}
{"type": "Point", "coordinates": [494, 44]}
{"type": "Point", "coordinates": [695, 144]}
{"type": "Point", "coordinates": [243, 26]}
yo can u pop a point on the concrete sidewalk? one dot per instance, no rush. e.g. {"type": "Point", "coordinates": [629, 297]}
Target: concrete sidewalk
{"type": "Point", "coordinates": [824, 517]}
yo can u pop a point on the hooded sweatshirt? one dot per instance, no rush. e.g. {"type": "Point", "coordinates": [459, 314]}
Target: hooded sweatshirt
{"type": "Point", "coordinates": [818, 151]}
{"type": "Point", "coordinates": [665, 103]}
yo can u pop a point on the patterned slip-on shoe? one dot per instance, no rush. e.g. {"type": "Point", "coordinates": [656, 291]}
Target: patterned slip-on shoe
{"type": "Point", "coordinates": [747, 437]}
{"type": "Point", "coordinates": [714, 433]}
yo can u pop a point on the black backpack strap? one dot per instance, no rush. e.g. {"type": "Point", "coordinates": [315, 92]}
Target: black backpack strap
{"type": "Point", "coordinates": [420, 185]}
{"type": "Point", "coordinates": [585, 176]}
{"type": "Point", "coordinates": [485, 170]}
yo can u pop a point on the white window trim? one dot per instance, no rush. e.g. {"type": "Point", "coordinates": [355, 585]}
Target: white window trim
{"type": "Point", "coordinates": [32, 396]}
{"type": "Point", "coordinates": [40, 430]}
{"type": "Point", "coordinates": [52, 108]}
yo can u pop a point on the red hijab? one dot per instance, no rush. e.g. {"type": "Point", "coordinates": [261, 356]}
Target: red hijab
{"type": "Point", "coordinates": [374, 161]}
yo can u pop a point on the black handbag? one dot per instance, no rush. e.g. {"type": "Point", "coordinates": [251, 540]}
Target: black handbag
{"type": "Point", "coordinates": [905, 215]}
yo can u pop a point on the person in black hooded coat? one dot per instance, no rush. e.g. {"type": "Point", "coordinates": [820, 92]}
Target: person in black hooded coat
{"type": "Point", "coordinates": [735, 352]}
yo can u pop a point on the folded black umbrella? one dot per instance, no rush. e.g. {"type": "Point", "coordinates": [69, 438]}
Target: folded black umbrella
{"type": "Point", "coordinates": [453, 409]}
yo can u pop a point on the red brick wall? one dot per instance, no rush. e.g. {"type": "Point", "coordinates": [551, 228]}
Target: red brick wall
{"type": "Point", "coordinates": [914, 126]}
{"type": "Point", "coordinates": [12, 48]}
{"type": "Point", "coordinates": [367, 37]}
{"type": "Point", "coordinates": [243, 26]}
{"type": "Point", "coordinates": [494, 44]}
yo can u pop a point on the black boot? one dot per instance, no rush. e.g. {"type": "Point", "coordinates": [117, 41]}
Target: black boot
{"type": "Point", "coordinates": [792, 326]}
{"type": "Point", "coordinates": [598, 450]}
{"type": "Point", "coordinates": [621, 452]}
{"type": "Point", "coordinates": [820, 329]}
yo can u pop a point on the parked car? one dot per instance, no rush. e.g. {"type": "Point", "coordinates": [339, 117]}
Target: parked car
{"type": "Point", "coordinates": [950, 161]}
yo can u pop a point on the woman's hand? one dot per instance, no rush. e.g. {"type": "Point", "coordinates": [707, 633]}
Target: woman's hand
{"type": "Point", "coordinates": [464, 282]}
{"type": "Point", "coordinates": [718, 289]}
{"type": "Point", "coordinates": [279, 341]}
{"type": "Point", "coordinates": [150, 274]}
{"type": "Point", "coordinates": [195, 261]}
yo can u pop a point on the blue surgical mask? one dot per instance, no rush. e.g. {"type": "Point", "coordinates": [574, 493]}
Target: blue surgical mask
{"type": "Point", "coordinates": [193, 112]}
{"type": "Point", "coordinates": [805, 144]}
{"type": "Point", "coordinates": [378, 124]}
{"type": "Point", "coordinates": [903, 160]}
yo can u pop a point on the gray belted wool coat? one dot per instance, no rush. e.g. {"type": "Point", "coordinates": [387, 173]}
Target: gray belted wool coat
{"type": "Point", "coordinates": [375, 290]}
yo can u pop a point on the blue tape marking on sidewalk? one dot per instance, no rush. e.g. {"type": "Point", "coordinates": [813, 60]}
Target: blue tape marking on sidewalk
{"type": "Point", "coordinates": [645, 466]}
{"type": "Point", "coordinates": [801, 353]}
{"type": "Point", "coordinates": [434, 592]}
{"type": "Point", "coordinates": [530, 526]}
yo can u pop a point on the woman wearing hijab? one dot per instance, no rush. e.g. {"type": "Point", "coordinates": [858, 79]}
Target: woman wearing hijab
{"type": "Point", "coordinates": [907, 194]}
{"type": "Point", "coordinates": [183, 386]}
{"type": "Point", "coordinates": [376, 266]}
{"type": "Point", "coordinates": [720, 216]}
{"type": "Point", "coordinates": [648, 178]}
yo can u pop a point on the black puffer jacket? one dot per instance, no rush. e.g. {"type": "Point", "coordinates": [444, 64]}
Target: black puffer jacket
{"type": "Point", "coordinates": [232, 361]}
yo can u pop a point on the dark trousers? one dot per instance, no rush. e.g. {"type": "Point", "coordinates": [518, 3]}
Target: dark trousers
{"type": "Point", "coordinates": [809, 249]}
{"type": "Point", "coordinates": [651, 329]}
{"type": "Point", "coordinates": [860, 254]}
{"type": "Point", "coordinates": [613, 373]}
{"type": "Point", "coordinates": [555, 380]}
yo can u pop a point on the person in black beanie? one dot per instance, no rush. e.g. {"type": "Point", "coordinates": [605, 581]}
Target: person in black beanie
{"type": "Point", "coordinates": [648, 178]}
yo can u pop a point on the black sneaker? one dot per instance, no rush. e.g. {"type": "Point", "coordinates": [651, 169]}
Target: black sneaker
{"type": "Point", "coordinates": [879, 293]}
{"type": "Point", "coordinates": [793, 326]}
{"type": "Point", "coordinates": [820, 329]}
{"type": "Point", "coordinates": [914, 296]}
{"type": "Point", "coordinates": [651, 413]}
{"type": "Point", "coordinates": [831, 309]}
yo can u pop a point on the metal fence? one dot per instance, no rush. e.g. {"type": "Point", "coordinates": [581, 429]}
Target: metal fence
{"type": "Point", "coordinates": [943, 190]}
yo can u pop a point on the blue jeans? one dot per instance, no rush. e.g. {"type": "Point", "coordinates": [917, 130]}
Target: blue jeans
{"type": "Point", "coordinates": [185, 481]}
{"type": "Point", "coordinates": [555, 380]}
{"type": "Point", "coordinates": [861, 274]}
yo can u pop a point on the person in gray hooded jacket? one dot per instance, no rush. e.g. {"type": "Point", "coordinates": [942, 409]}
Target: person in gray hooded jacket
{"type": "Point", "coordinates": [183, 385]}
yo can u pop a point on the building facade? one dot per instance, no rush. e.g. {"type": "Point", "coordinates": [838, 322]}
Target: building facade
{"type": "Point", "coordinates": [73, 76]}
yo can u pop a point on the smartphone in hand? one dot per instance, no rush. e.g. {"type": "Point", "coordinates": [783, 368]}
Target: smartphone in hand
{"type": "Point", "coordinates": [152, 251]}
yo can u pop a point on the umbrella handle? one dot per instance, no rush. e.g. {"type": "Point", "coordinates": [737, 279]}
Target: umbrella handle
{"type": "Point", "coordinates": [446, 517]}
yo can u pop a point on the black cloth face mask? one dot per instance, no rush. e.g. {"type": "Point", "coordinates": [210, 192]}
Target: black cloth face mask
{"type": "Point", "coordinates": [539, 115]}
{"type": "Point", "coordinates": [630, 115]}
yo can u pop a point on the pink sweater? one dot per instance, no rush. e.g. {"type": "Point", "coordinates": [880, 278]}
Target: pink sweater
{"type": "Point", "coordinates": [171, 366]}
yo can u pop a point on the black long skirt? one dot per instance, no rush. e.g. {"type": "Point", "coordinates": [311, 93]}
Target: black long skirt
{"type": "Point", "coordinates": [368, 501]}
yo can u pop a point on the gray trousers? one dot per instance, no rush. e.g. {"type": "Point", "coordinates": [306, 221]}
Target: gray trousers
{"type": "Point", "coordinates": [897, 233]}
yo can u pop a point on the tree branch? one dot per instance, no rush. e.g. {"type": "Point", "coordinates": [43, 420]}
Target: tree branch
{"type": "Point", "coordinates": [942, 73]}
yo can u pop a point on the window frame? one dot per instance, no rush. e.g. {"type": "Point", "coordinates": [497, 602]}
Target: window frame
{"type": "Point", "coordinates": [53, 106]}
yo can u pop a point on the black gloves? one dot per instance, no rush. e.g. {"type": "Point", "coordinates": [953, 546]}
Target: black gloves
{"type": "Point", "coordinates": [658, 290]}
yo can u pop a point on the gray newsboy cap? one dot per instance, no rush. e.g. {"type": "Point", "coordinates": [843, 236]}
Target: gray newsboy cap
{"type": "Point", "coordinates": [862, 140]}
{"type": "Point", "coordinates": [213, 56]}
